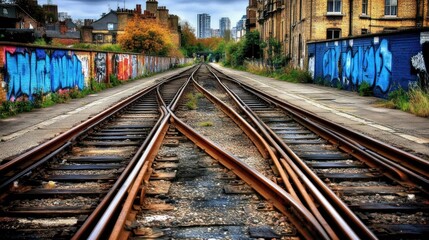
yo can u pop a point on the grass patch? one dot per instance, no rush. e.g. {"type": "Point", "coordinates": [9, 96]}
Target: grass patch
{"type": "Point", "coordinates": [114, 81]}
{"type": "Point", "coordinates": [192, 100]}
{"type": "Point", "coordinates": [419, 103]}
{"type": "Point", "coordinates": [415, 101]}
{"type": "Point", "coordinates": [206, 124]}
{"type": "Point", "coordinates": [287, 74]}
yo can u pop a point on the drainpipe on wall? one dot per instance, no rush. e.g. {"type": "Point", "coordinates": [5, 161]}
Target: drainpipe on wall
{"type": "Point", "coordinates": [311, 20]}
{"type": "Point", "coordinates": [351, 18]}
{"type": "Point", "coordinates": [290, 29]}
{"type": "Point", "coordinates": [418, 13]}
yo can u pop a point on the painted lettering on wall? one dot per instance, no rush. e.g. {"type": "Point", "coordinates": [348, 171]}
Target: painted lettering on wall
{"type": "Point", "coordinates": [100, 67]}
{"type": "Point", "coordinates": [420, 63]}
{"type": "Point", "coordinates": [28, 71]}
{"type": "Point", "coordinates": [31, 72]}
{"type": "Point", "coordinates": [122, 66]}
{"type": "Point", "coordinates": [371, 64]}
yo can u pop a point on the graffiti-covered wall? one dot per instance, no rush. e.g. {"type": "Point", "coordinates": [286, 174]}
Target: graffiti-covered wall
{"type": "Point", "coordinates": [386, 62]}
{"type": "Point", "coordinates": [27, 70]}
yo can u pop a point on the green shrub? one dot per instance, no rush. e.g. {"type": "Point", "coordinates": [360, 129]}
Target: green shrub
{"type": "Point", "coordinates": [96, 86]}
{"type": "Point", "coordinates": [365, 89]}
{"type": "Point", "coordinates": [110, 47]}
{"type": "Point", "coordinates": [49, 100]}
{"type": "Point", "coordinates": [114, 80]}
{"type": "Point", "coordinates": [400, 99]}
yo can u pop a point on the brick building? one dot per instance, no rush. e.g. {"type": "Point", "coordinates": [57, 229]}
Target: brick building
{"type": "Point", "coordinates": [109, 26]}
{"type": "Point", "coordinates": [296, 22]}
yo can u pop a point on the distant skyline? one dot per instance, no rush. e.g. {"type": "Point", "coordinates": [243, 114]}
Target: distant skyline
{"type": "Point", "coordinates": [187, 10]}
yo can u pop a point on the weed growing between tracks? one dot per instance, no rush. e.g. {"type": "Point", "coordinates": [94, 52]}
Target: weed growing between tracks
{"type": "Point", "coordinates": [192, 102]}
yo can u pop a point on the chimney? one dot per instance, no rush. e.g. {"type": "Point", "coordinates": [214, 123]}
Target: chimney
{"type": "Point", "coordinates": [88, 22]}
{"type": "Point", "coordinates": [152, 6]}
{"type": "Point", "coordinates": [63, 27]}
{"type": "Point", "coordinates": [139, 9]}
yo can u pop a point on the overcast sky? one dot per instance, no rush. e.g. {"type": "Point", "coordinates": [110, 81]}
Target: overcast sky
{"type": "Point", "coordinates": [185, 9]}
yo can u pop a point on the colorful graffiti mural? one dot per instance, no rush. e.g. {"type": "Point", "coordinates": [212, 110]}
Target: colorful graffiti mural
{"type": "Point", "coordinates": [420, 63]}
{"type": "Point", "coordinates": [27, 70]}
{"type": "Point", "coordinates": [31, 72]}
{"type": "Point", "coordinates": [100, 67]}
{"type": "Point", "coordinates": [386, 62]}
{"type": "Point", "coordinates": [370, 64]}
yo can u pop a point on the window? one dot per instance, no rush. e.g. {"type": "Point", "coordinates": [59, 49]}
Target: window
{"type": "Point", "coordinates": [332, 33]}
{"type": "Point", "coordinates": [364, 31]}
{"type": "Point", "coordinates": [99, 37]}
{"type": "Point", "coordinates": [334, 6]}
{"type": "Point", "coordinates": [110, 26]}
{"type": "Point", "coordinates": [364, 7]}
{"type": "Point", "coordinates": [391, 8]}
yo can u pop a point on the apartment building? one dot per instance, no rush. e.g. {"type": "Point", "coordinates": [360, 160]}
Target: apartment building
{"type": "Point", "coordinates": [203, 25]}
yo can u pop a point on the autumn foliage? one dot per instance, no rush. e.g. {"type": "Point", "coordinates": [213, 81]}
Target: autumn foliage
{"type": "Point", "coordinates": [148, 37]}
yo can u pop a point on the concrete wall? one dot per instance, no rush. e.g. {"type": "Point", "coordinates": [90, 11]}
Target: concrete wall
{"type": "Point", "coordinates": [386, 61]}
{"type": "Point", "coordinates": [26, 70]}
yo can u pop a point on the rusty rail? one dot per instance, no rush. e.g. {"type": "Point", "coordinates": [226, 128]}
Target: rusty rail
{"type": "Point", "coordinates": [301, 181]}
{"type": "Point", "coordinates": [128, 191]}
{"type": "Point", "coordinates": [305, 222]}
{"type": "Point", "coordinates": [28, 158]}
{"type": "Point", "coordinates": [417, 167]}
{"type": "Point", "coordinates": [249, 130]}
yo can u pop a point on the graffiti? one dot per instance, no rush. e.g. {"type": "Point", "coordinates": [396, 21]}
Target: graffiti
{"type": "Point", "coordinates": [122, 66]}
{"type": "Point", "coordinates": [359, 64]}
{"type": "Point", "coordinates": [311, 65]}
{"type": "Point", "coordinates": [420, 63]}
{"type": "Point", "coordinates": [330, 63]}
{"type": "Point", "coordinates": [86, 66]}
{"type": "Point", "coordinates": [29, 71]}
{"type": "Point", "coordinates": [134, 66]}
{"type": "Point", "coordinates": [67, 71]}
{"type": "Point", "coordinates": [100, 67]}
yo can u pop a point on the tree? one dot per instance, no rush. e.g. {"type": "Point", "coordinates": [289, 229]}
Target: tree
{"type": "Point", "coordinates": [146, 36]}
{"type": "Point", "coordinates": [188, 39]}
{"type": "Point", "coordinates": [252, 45]}
{"type": "Point", "coordinates": [227, 35]}
{"type": "Point", "coordinates": [31, 8]}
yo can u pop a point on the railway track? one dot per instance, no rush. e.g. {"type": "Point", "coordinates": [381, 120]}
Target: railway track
{"type": "Point", "coordinates": [77, 174]}
{"type": "Point", "coordinates": [143, 169]}
{"type": "Point", "coordinates": [379, 190]}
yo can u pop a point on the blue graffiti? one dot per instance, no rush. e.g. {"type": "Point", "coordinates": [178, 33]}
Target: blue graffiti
{"type": "Point", "coordinates": [29, 73]}
{"type": "Point", "coordinates": [359, 65]}
{"type": "Point", "coordinates": [67, 71]}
